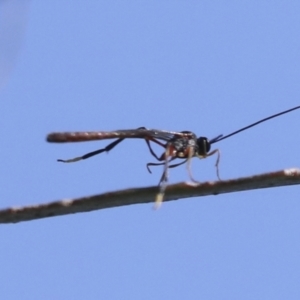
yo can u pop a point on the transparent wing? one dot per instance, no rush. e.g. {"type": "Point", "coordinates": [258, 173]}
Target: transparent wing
{"type": "Point", "coordinates": [142, 133]}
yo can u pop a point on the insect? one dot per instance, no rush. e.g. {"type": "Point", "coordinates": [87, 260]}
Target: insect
{"type": "Point", "coordinates": [177, 145]}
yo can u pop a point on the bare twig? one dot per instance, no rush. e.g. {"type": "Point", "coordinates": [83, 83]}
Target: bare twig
{"type": "Point", "coordinates": [147, 195]}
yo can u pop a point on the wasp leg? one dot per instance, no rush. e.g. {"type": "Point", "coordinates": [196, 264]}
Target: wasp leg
{"type": "Point", "coordinates": [90, 154]}
{"type": "Point", "coordinates": [164, 180]}
{"type": "Point", "coordinates": [216, 151]}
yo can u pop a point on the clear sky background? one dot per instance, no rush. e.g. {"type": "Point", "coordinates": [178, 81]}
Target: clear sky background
{"type": "Point", "coordinates": [210, 67]}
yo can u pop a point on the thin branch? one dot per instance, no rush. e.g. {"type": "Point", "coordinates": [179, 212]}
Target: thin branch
{"type": "Point", "coordinates": [147, 195]}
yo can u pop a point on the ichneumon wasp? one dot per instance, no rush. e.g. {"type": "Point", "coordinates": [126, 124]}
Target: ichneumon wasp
{"type": "Point", "coordinates": [183, 145]}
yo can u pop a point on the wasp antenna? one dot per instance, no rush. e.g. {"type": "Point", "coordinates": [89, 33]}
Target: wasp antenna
{"type": "Point", "coordinates": [217, 139]}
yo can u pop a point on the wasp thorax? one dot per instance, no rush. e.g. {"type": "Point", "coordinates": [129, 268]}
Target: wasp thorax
{"type": "Point", "coordinates": [203, 145]}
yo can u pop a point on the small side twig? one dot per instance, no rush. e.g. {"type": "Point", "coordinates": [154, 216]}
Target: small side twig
{"type": "Point", "coordinates": [147, 195]}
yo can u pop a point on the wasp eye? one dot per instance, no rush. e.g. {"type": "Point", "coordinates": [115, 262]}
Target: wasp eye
{"type": "Point", "coordinates": [203, 145]}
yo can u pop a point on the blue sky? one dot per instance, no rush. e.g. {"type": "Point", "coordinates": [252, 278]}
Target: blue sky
{"type": "Point", "coordinates": [210, 67]}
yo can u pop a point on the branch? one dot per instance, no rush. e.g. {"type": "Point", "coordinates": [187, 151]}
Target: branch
{"type": "Point", "coordinates": [147, 195]}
